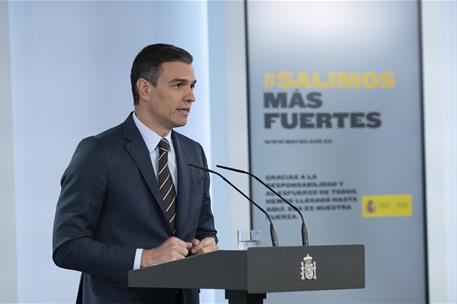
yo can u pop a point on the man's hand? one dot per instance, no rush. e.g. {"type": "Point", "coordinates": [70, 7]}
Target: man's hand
{"type": "Point", "coordinates": [171, 250]}
{"type": "Point", "coordinates": [208, 244]}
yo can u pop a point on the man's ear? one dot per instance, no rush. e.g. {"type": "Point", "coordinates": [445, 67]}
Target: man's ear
{"type": "Point", "coordinates": [143, 87]}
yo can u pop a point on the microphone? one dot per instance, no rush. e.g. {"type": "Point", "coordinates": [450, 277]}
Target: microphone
{"type": "Point", "coordinates": [274, 237]}
{"type": "Point", "coordinates": [304, 231]}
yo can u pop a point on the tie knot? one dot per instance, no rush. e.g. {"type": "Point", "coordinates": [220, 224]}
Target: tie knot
{"type": "Point", "coordinates": [164, 145]}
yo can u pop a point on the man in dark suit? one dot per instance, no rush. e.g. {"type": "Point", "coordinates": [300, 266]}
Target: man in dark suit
{"type": "Point", "coordinates": [129, 198]}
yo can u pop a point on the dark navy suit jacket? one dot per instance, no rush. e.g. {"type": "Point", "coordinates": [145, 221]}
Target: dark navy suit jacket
{"type": "Point", "coordinates": [110, 205]}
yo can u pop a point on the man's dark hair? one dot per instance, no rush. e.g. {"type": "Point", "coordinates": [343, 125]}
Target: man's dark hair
{"type": "Point", "coordinates": [148, 62]}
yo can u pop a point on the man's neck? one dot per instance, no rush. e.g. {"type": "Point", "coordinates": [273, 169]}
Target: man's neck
{"type": "Point", "coordinates": [148, 122]}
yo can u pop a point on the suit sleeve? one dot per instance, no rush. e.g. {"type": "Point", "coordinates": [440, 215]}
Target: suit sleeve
{"type": "Point", "coordinates": [78, 211]}
{"type": "Point", "coordinates": [206, 221]}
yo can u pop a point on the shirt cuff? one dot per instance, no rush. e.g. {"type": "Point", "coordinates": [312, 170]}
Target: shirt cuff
{"type": "Point", "coordinates": [137, 262]}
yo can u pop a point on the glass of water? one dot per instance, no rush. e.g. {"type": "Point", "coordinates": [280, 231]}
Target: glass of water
{"type": "Point", "coordinates": [248, 238]}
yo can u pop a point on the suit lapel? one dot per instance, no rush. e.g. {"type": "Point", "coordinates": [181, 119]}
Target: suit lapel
{"type": "Point", "coordinates": [184, 185]}
{"type": "Point", "coordinates": [140, 155]}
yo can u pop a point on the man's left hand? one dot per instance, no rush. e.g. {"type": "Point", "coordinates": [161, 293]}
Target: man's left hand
{"type": "Point", "coordinates": [206, 245]}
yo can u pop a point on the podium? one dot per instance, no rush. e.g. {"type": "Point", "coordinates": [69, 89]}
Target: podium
{"type": "Point", "coordinates": [248, 275]}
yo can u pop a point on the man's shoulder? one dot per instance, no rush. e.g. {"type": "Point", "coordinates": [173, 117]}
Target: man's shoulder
{"type": "Point", "coordinates": [105, 140]}
{"type": "Point", "coordinates": [114, 133]}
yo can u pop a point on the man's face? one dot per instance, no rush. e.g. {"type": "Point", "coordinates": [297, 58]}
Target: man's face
{"type": "Point", "coordinates": [169, 101]}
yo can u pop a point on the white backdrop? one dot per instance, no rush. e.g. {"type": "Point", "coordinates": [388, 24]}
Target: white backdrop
{"type": "Point", "coordinates": [440, 68]}
{"type": "Point", "coordinates": [70, 64]}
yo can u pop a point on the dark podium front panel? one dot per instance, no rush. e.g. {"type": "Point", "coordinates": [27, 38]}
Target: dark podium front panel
{"type": "Point", "coordinates": [260, 270]}
{"type": "Point", "coordinates": [216, 270]}
{"type": "Point", "coordinates": [337, 267]}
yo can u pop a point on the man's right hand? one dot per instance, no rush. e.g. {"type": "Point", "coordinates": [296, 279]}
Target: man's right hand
{"type": "Point", "coordinates": [171, 250]}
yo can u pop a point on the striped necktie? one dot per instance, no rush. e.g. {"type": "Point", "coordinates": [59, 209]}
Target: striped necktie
{"type": "Point", "coordinates": [167, 189]}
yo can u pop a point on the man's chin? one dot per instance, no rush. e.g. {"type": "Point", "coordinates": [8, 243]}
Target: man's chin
{"type": "Point", "coordinates": [180, 124]}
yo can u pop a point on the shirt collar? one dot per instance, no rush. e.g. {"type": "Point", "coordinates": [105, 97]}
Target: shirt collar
{"type": "Point", "coordinates": [150, 137]}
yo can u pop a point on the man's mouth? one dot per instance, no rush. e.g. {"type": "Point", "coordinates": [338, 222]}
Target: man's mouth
{"type": "Point", "coordinates": [187, 110]}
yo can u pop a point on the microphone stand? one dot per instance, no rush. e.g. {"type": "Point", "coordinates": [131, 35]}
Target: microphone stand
{"type": "Point", "coordinates": [304, 231]}
{"type": "Point", "coordinates": [274, 237]}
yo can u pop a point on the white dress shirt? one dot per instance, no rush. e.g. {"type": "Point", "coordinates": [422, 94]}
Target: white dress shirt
{"type": "Point", "coordinates": [151, 140]}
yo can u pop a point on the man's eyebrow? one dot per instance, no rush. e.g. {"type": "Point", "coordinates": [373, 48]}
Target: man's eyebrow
{"type": "Point", "coordinates": [176, 80]}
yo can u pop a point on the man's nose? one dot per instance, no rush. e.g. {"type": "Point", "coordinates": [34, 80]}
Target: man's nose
{"type": "Point", "coordinates": [190, 96]}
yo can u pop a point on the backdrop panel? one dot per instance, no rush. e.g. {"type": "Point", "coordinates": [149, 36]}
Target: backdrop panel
{"type": "Point", "coordinates": [336, 127]}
